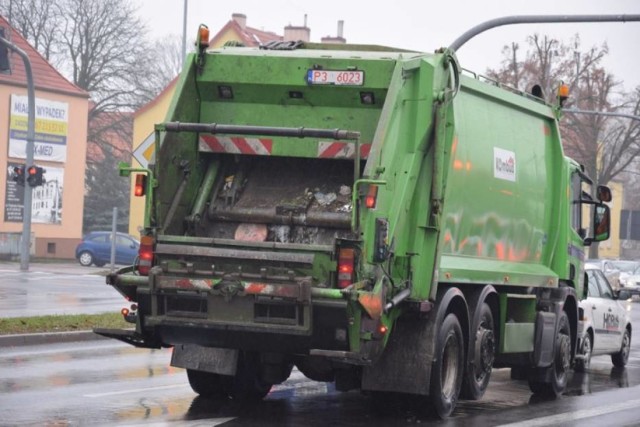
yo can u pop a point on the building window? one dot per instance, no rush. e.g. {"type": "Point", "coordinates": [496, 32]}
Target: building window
{"type": "Point", "coordinates": [51, 248]}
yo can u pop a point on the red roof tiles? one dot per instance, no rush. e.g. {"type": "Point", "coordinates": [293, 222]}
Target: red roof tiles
{"type": "Point", "coordinates": [251, 37]}
{"type": "Point", "coordinates": [45, 77]}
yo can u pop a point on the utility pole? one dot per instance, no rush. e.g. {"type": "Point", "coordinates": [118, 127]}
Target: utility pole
{"type": "Point", "coordinates": [31, 116]}
{"type": "Point", "coordinates": [184, 32]}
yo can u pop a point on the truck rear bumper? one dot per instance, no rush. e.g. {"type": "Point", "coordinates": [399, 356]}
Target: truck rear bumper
{"type": "Point", "coordinates": [285, 317]}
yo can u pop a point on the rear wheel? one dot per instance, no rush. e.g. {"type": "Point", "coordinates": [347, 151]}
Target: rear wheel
{"type": "Point", "coordinates": [245, 385]}
{"type": "Point", "coordinates": [585, 351]}
{"type": "Point", "coordinates": [478, 372]}
{"type": "Point", "coordinates": [621, 358]}
{"type": "Point", "coordinates": [85, 258]}
{"type": "Point", "coordinates": [559, 374]}
{"type": "Point", "coordinates": [448, 367]}
{"type": "Point", "coordinates": [208, 384]}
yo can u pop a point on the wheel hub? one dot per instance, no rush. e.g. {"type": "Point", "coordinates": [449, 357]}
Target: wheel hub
{"type": "Point", "coordinates": [563, 353]}
{"type": "Point", "coordinates": [485, 349]}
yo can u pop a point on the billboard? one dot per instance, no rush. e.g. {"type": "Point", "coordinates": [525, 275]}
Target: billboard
{"type": "Point", "coordinates": [50, 142]}
{"type": "Point", "coordinates": [46, 200]}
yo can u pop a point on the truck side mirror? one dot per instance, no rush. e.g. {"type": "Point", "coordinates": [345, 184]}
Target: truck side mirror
{"type": "Point", "coordinates": [604, 193]}
{"type": "Point", "coordinates": [601, 222]}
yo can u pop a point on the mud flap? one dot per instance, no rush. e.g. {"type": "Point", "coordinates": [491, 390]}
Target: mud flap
{"type": "Point", "coordinates": [405, 364]}
{"type": "Point", "coordinates": [544, 339]}
{"type": "Point", "coordinates": [215, 360]}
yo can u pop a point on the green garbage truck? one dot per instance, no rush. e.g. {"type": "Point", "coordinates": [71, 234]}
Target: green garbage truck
{"type": "Point", "coordinates": [377, 218]}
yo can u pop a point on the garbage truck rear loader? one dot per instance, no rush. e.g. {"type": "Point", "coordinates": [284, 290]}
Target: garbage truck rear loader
{"type": "Point", "coordinates": [370, 216]}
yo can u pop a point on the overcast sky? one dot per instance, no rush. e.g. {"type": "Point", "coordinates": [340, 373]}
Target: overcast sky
{"type": "Point", "coordinates": [418, 24]}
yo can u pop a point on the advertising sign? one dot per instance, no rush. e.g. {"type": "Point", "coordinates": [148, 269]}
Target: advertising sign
{"type": "Point", "coordinates": [50, 142]}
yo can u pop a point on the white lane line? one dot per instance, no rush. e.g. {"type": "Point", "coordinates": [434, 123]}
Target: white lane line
{"type": "Point", "coordinates": [136, 390]}
{"type": "Point", "coordinates": [577, 415]}
{"type": "Point", "coordinates": [54, 277]}
{"type": "Point", "coordinates": [205, 422]}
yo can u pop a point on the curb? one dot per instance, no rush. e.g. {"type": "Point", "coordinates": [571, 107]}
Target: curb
{"type": "Point", "coordinates": [48, 338]}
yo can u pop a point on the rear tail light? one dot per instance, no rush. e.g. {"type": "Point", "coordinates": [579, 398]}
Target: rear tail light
{"type": "Point", "coordinates": [346, 260]}
{"type": "Point", "coordinates": [140, 187]}
{"type": "Point", "coordinates": [145, 255]}
{"type": "Point", "coordinates": [371, 197]}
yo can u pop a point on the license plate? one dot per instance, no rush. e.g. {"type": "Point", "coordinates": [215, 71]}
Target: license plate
{"type": "Point", "coordinates": [335, 77]}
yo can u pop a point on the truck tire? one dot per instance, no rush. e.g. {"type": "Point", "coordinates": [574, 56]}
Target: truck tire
{"type": "Point", "coordinates": [208, 384]}
{"type": "Point", "coordinates": [621, 358]}
{"type": "Point", "coordinates": [245, 385]}
{"type": "Point", "coordinates": [586, 349]}
{"type": "Point", "coordinates": [478, 371]}
{"type": "Point", "coordinates": [448, 367]}
{"type": "Point", "coordinates": [559, 369]}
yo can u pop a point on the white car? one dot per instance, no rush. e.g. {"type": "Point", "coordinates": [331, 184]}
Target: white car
{"type": "Point", "coordinates": [608, 268]}
{"type": "Point", "coordinates": [605, 322]}
{"type": "Point", "coordinates": [631, 281]}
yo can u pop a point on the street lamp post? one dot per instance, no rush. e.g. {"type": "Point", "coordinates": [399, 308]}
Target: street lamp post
{"type": "Point", "coordinates": [184, 33]}
{"type": "Point", "coordinates": [31, 114]}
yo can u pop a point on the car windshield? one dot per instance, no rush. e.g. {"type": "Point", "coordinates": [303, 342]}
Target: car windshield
{"type": "Point", "coordinates": [626, 266]}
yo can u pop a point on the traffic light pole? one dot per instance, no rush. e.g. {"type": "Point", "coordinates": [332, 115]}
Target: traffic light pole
{"type": "Point", "coordinates": [31, 118]}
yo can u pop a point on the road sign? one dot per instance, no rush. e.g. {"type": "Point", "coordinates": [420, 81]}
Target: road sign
{"type": "Point", "coordinates": [145, 153]}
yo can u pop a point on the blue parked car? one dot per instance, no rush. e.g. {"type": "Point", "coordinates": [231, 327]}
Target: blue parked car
{"type": "Point", "coordinates": [95, 248]}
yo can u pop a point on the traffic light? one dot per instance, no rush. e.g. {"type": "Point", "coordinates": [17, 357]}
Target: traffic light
{"type": "Point", "coordinates": [34, 175]}
{"type": "Point", "coordinates": [18, 174]}
{"type": "Point", "coordinates": [5, 65]}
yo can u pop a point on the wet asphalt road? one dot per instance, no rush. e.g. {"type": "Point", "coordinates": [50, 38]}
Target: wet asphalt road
{"type": "Point", "coordinates": [48, 289]}
{"type": "Point", "coordinates": [109, 383]}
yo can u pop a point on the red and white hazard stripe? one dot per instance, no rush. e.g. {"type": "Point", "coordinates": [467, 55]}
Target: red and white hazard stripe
{"type": "Point", "coordinates": [341, 150]}
{"type": "Point", "coordinates": [235, 145]}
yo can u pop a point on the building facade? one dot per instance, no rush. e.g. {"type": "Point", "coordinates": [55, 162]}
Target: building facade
{"type": "Point", "coordinates": [60, 148]}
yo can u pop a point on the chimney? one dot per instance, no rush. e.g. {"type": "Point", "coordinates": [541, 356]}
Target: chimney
{"type": "Point", "coordinates": [295, 33]}
{"type": "Point", "coordinates": [336, 40]}
{"type": "Point", "coordinates": [241, 19]}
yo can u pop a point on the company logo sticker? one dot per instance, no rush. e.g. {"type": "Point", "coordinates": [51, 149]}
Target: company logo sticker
{"type": "Point", "coordinates": [504, 164]}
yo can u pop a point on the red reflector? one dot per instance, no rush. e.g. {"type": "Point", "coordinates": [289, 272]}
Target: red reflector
{"type": "Point", "coordinates": [370, 198]}
{"type": "Point", "coordinates": [346, 260]}
{"type": "Point", "coordinates": [140, 188]}
{"type": "Point", "coordinates": [382, 329]}
{"type": "Point", "coordinates": [125, 311]}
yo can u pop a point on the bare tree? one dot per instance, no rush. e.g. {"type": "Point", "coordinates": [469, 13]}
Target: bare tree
{"type": "Point", "coordinates": [607, 146]}
{"type": "Point", "coordinates": [101, 47]}
{"type": "Point", "coordinates": [106, 51]}
{"type": "Point", "coordinates": [37, 20]}
{"type": "Point", "coordinates": [166, 54]}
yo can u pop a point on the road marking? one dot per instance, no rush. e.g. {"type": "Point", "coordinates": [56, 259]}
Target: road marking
{"type": "Point", "coordinates": [54, 277]}
{"type": "Point", "coordinates": [574, 416]}
{"type": "Point", "coordinates": [136, 390]}
{"type": "Point", "coordinates": [208, 422]}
